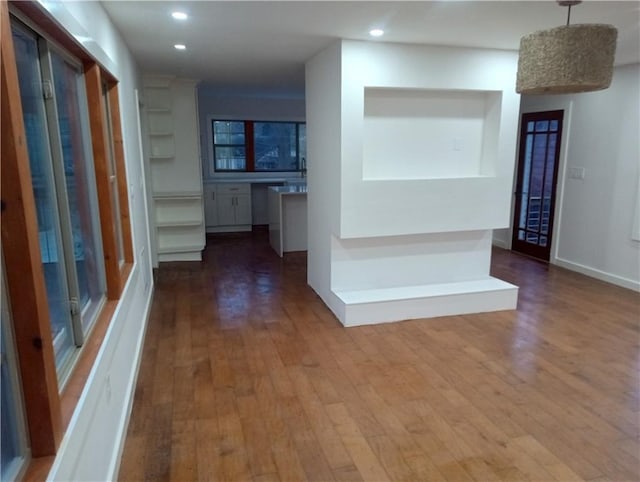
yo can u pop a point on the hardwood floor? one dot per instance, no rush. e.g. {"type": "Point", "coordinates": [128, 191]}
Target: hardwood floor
{"type": "Point", "coordinates": [246, 375]}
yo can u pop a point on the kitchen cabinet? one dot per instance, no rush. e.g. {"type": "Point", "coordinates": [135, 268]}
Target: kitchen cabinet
{"type": "Point", "coordinates": [228, 207]}
{"type": "Point", "coordinates": [210, 205]}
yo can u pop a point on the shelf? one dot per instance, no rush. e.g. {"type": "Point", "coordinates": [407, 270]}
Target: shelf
{"type": "Point", "coordinates": [179, 224]}
{"type": "Point", "coordinates": [161, 158]}
{"type": "Point", "coordinates": [180, 249]}
{"type": "Point", "coordinates": [158, 97]}
{"type": "Point", "coordinates": [177, 195]}
{"type": "Point", "coordinates": [161, 134]}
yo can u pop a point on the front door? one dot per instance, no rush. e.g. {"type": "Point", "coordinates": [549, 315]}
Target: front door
{"type": "Point", "coordinates": [540, 139]}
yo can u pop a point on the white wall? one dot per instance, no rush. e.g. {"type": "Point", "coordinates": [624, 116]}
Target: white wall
{"type": "Point", "coordinates": [226, 105]}
{"type": "Point", "coordinates": [410, 133]}
{"type": "Point", "coordinates": [91, 446]}
{"type": "Point", "coordinates": [460, 201]}
{"type": "Point", "coordinates": [323, 166]}
{"type": "Point", "coordinates": [595, 216]}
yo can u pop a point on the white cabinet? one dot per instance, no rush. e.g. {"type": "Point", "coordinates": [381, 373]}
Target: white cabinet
{"type": "Point", "coordinates": [210, 205]}
{"type": "Point", "coordinates": [228, 207]}
{"type": "Point", "coordinates": [243, 208]}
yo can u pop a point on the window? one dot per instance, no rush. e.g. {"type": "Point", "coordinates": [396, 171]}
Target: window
{"type": "Point", "coordinates": [64, 187]}
{"type": "Point", "coordinates": [13, 446]}
{"type": "Point", "coordinates": [65, 224]}
{"type": "Point", "coordinates": [250, 146]}
{"type": "Point", "coordinates": [229, 149]}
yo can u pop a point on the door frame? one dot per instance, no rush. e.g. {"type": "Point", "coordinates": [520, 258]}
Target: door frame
{"type": "Point", "coordinates": [542, 253]}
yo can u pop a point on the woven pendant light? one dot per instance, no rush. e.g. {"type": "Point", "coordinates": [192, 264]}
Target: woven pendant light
{"type": "Point", "coordinates": [568, 59]}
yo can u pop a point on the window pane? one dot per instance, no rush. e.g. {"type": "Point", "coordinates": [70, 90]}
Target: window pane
{"type": "Point", "coordinates": [542, 126]}
{"type": "Point", "coordinates": [44, 192]}
{"type": "Point", "coordinates": [302, 145]}
{"type": "Point", "coordinates": [12, 444]}
{"type": "Point", "coordinates": [275, 146]}
{"type": "Point", "coordinates": [532, 238]}
{"type": "Point", "coordinates": [230, 158]}
{"type": "Point", "coordinates": [228, 132]}
{"type": "Point", "coordinates": [80, 183]}
{"type": "Point", "coordinates": [554, 125]}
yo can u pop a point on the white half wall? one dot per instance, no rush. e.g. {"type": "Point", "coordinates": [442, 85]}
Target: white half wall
{"type": "Point", "coordinates": [92, 444]}
{"type": "Point", "coordinates": [411, 159]}
{"type": "Point", "coordinates": [595, 216]}
{"type": "Point", "coordinates": [390, 262]}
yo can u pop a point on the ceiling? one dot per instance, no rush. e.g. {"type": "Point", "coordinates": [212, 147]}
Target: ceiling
{"type": "Point", "coordinates": [263, 45]}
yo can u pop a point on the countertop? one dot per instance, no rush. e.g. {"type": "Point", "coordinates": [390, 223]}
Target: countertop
{"type": "Point", "coordinates": [255, 180]}
{"type": "Point", "coordinates": [293, 189]}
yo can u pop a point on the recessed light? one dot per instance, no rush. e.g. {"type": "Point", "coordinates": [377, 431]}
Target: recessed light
{"type": "Point", "coordinates": [376, 32]}
{"type": "Point", "coordinates": [180, 46]}
{"type": "Point", "coordinates": [179, 15]}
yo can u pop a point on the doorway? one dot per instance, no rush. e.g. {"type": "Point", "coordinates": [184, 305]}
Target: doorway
{"type": "Point", "coordinates": [540, 140]}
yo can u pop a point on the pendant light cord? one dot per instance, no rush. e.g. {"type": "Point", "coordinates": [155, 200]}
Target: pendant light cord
{"type": "Point", "coordinates": [568, 15]}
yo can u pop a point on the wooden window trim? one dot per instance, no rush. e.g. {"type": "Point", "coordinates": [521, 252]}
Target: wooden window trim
{"type": "Point", "coordinates": [25, 276]}
{"type": "Point", "coordinates": [249, 143]}
{"type": "Point", "coordinates": [99, 143]}
{"type": "Point", "coordinates": [121, 173]}
{"type": "Point", "coordinates": [48, 412]}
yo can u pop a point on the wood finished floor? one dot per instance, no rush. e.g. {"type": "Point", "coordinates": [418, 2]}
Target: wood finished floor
{"type": "Point", "coordinates": [246, 375]}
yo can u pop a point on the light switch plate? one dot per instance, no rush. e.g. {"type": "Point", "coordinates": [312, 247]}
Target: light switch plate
{"type": "Point", "coordinates": [576, 173]}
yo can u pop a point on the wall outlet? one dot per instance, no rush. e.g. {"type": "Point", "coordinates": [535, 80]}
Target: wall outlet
{"type": "Point", "coordinates": [576, 173]}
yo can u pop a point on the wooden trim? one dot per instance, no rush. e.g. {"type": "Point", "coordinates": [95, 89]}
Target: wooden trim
{"type": "Point", "coordinates": [121, 172]}
{"type": "Point", "coordinates": [39, 15]}
{"type": "Point", "coordinates": [101, 163]}
{"type": "Point", "coordinates": [23, 263]}
{"type": "Point", "coordinates": [249, 143]}
{"type": "Point", "coordinates": [539, 252]}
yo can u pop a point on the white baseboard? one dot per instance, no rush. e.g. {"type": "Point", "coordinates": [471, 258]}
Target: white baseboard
{"type": "Point", "coordinates": [598, 274]}
{"type": "Point", "coordinates": [500, 243]}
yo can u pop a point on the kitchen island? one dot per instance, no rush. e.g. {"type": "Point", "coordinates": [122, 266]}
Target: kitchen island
{"type": "Point", "coordinates": [287, 207]}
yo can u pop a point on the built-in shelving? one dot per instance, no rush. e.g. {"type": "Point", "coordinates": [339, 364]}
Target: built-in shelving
{"type": "Point", "coordinates": [178, 214]}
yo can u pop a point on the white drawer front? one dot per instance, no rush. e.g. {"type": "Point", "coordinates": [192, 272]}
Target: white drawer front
{"type": "Point", "coordinates": [234, 188]}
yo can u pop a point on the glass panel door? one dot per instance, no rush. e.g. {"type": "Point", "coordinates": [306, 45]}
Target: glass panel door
{"type": "Point", "coordinates": [51, 247]}
{"type": "Point", "coordinates": [80, 186]}
{"type": "Point", "coordinates": [536, 184]}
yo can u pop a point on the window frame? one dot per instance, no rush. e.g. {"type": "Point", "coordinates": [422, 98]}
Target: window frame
{"type": "Point", "coordinates": [247, 131]}
{"type": "Point", "coordinates": [211, 172]}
